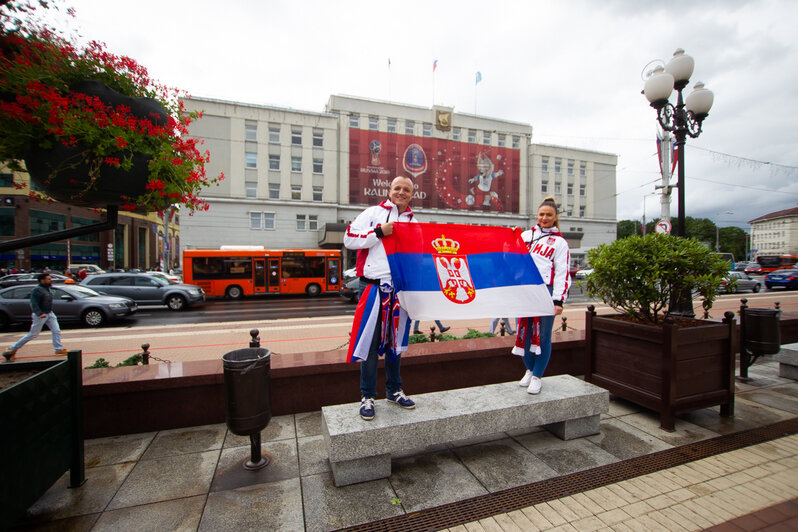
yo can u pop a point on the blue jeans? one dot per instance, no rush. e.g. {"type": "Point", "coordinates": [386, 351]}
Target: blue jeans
{"type": "Point", "coordinates": [368, 369]}
{"type": "Point", "coordinates": [36, 328]}
{"type": "Point", "coordinates": [537, 363]}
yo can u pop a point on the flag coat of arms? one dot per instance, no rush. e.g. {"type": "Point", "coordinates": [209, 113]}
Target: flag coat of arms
{"type": "Point", "coordinates": [450, 271]}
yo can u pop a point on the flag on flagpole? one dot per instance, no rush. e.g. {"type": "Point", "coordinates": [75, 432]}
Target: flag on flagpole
{"type": "Point", "coordinates": [479, 77]}
{"type": "Point", "coordinates": [389, 63]}
{"type": "Point", "coordinates": [434, 65]}
{"type": "Point", "coordinates": [451, 271]}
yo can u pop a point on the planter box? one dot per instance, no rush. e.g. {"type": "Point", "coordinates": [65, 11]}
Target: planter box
{"type": "Point", "coordinates": [669, 369]}
{"type": "Point", "coordinates": [42, 432]}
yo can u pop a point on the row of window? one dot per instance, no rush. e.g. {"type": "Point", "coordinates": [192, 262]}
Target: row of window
{"type": "Point", "coordinates": [569, 188]}
{"type": "Point", "coordinates": [251, 191]}
{"type": "Point", "coordinates": [426, 131]}
{"type": "Point", "coordinates": [251, 134]}
{"type": "Point", "coordinates": [771, 245]}
{"type": "Point", "coordinates": [251, 161]}
{"type": "Point", "coordinates": [764, 236]}
{"type": "Point", "coordinates": [266, 221]}
{"type": "Point", "coordinates": [544, 166]}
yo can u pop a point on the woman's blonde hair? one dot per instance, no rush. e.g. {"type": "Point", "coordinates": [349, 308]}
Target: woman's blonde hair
{"type": "Point", "coordinates": [549, 201]}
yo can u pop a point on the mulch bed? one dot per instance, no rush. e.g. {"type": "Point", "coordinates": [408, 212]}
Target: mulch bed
{"type": "Point", "coordinates": [10, 378]}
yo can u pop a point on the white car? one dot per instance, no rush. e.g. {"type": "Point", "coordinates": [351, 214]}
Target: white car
{"type": "Point", "coordinates": [173, 279]}
{"type": "Point", "coordinates": [583, 274]}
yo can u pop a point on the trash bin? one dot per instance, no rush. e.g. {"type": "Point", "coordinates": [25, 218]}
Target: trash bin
{"type": "Point", "coordinates": [761, 334]}
{"type": "Point", "coordinates": [248, 408]}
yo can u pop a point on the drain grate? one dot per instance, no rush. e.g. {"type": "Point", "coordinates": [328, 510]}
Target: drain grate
{"type": "Point", "coordinates": [512, 499]}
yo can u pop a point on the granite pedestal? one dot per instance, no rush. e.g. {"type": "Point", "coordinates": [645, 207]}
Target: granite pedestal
{"type": "Point", "coordinates": [788, 364]}
{"type": "Point", "coordinates": [361, 450]}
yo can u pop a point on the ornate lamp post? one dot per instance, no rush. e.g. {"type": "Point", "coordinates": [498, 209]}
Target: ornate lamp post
{"type": "Point", "coordinates": [683, 119]}
{"type": "Point", "coordinates": [717, 230]}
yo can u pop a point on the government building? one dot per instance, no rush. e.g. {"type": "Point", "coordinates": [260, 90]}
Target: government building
{"type": "Point", "coordinates": [295, 179]}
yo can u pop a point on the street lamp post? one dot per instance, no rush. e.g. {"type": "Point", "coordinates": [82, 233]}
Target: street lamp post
{"type": "Point", "coordinates": [683, 119]}
{"type": "Point", "coordinates": [717, 230]}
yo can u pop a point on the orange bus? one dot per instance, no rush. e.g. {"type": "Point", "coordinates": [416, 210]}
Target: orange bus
{"type": "Point", "coordinates": [238, 271]}
{"type": "Point", "coordinates": [770, 263]}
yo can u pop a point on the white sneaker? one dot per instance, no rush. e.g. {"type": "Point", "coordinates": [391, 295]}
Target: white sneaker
{"type": "Point", "coordinates": [534, 386]}
{"type": "Point", "coordinates": [527, 378]}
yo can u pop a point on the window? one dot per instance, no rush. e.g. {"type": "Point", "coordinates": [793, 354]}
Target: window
{"type": "Point", "coordinates": [544, 186]}
{"type": "Point", "coordinates": [410, 127]}
{"type": "Point", "coordinates": [296, 192]}
{"type": "Point", "coordinates": [251, 190]}
{"type": "Point", "coordinates": [296, 163]}
{"type": "Point", "coordinates": [582, 211]}
{"type": "Point", "coordinates": [583, 169]}
{"type": "Point", "coordinates": [557, 164]}
{"type": "Point", "coordinates": [455, 133]}
{"type": "Point", "coordinates": [317, 193]}
{"type": "Point", "coordinates": [296, 137]}
{"type": "Point", "coordinates": [582, 189]}
{"type": "Point", "coordinates": [391, 125]}
{"type": "Point", "coordinates": [486, 137]}
{"type": "Point", "coordinates": [570, 188]}
{"type": "Point", "coordinates": [268, 220]}
{"type": "Point", "coordinates": [274, 134]}
{"type": "Point", "coordinates": [556, 187]}
{"type": "Point", "coordinates": [318, 166]}
{"type": "Point", "coordinates": [502, 140]}
{"type": "Point", "coordinates": [374, 123]}
{"type": "Point", "coordinates": [354, 120]}
{"type": "Point", "coordinates": [570, 168]}
{"type": "Point", "coordinates": [259, 220]}
{"type": "Point", "coordinates": [6, 179]}
{"type": "Point", "coordinates": [516, 142]}
{"type": "Point", "coordinates": [7, 221]}
{"type": "Point", "coordinates": [301, 222]}
{"type": "Point", "coordinates": [251, 132]}
{"type": "Point", "coordinates": [544, 164]}
{"type": "Point", "coordinates": [472, 135]}
{"type": "Point", "coordinates": [274, 162]}
{"type": "Point", "coordinates": [274, 190]}
{"type": "Point", "coordinates": [251, 159]}
{"type": "Point", "coordinates": [569, 210]}
{"type": "Point", "coordinates": [255, 220]}
{"type": "Point", "coordinates": [313, 222]}
{"type": "Point", "coordinates": [318, 139]}
{"type": "Point", "coordinates": [426, 129]}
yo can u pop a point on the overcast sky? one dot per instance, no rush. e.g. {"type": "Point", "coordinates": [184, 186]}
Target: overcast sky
{"type": "Point", "coordinates": [571, 69]}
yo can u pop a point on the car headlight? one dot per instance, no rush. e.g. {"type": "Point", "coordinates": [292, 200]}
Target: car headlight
{"type": "Point", "coordinates": [194, 292]}
{"type": "Point", "coordinates": [117, 306]}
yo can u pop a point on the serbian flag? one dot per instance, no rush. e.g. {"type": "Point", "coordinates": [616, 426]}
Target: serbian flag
{"type": "Point", "coordinates": [450, 271]}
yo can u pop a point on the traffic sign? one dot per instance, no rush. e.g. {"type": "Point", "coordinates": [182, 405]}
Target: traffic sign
{"type": "Point", "coordinates": [663, 226]}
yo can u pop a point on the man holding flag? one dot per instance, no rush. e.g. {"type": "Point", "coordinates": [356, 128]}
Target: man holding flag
{"type": "Point", "coordinates": [381, 326]}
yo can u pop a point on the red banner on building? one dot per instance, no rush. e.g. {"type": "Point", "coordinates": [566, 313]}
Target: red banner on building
{"type": "Point", "coordinates": [447, 174]}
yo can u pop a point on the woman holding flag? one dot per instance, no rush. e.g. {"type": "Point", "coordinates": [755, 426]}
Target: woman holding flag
{"type": "Point", "coordinates": [551, 254]}
{"type": "Point", "coordinates": [381, 326]}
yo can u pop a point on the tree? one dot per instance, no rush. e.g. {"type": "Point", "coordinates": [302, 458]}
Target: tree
{"type": "Point", "coordinates": [626, 228]}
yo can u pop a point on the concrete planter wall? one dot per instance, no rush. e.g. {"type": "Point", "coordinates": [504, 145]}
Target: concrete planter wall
{"type": "Point", "coordinates": [668, 369]}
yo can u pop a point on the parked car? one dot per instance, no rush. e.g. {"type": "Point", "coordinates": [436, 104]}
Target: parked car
{"type": "Point", "coordinates": [16, 279]}
{"type": "Point", "coordinates": [146, 290]}
{"type": "Point", "coordinates": [738, 281]}
{"type": "Point", "coordinates": [171, 279]}
{"type": "Point", "coordinates": [91, 269]}
{"type": "Point", "coordinates": [740, 266]}
{"type": "Point", "coordinates": [583, 274]}
{"type": "Point", "coordinates": [71, 303]}
{"type": "Point", "coordinates": [753, 267]}
{"type": "Point", "coordinates": [351, 289]}
{"type": "Point", "coordinates": [787, 279]}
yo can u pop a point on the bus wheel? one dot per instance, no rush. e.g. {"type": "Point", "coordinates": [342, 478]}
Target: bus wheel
{"type": "Point", "coordinates": [234, 292]}
{"type": "Point", "coordinates": [313, 290]}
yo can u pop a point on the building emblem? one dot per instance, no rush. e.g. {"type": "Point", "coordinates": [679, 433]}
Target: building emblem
{"type": "Point", "coordinates": [375, 148]}
{"type": "Point", "coordinates": [414, 160]}
{"type": "Point", "coordinates": [454, 277]}
{"type": "Point", "coordinates": [443, 120]}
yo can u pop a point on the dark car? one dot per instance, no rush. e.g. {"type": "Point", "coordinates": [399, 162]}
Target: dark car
{"type": "Point", "coordinates": [16, 279]}
{"type": "Point", "coordinates": [71, 304]}
{"type": "Point", "coordinates": [351, 289]}
{"type": "Point", "coordinates": [787, 279]}
{"type": "Point", "coordinates": [738, 281]}
{"type": "Point", "coordinates": [146, 290]}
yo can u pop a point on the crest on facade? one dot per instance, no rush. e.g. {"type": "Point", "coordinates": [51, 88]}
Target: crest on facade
{"type": "Point", "coordinates": [454, 277]}
{"type": "Point", "coordinates": [414, 160]}
{"type": "Point", "coordinates": [443, 120]}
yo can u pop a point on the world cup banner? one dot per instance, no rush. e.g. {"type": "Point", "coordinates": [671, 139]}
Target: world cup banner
{"type": "Point", "coordinates": [452, 271]}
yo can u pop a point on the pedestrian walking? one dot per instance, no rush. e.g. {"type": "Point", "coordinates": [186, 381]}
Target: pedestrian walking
{"type": "Point", "coordinates": [441, 327]}
{"type": "Point", "coordinates": [41, 303]}
{"type": "Point", "coordinates": [507, 326]}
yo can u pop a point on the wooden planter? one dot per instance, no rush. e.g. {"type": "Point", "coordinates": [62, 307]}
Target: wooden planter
{"type": "Point", "coordinates": [41, 430]}
{"type": "Point", "coordinates": [669, 369]}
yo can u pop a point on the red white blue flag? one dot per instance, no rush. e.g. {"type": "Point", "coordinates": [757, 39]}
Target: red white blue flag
{"type": "Point", "coordinates": [450, 271]}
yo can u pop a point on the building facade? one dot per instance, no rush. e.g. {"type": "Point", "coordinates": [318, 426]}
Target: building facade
{"type": "Point", "coordinates": [295, 179]}
{"type": "Point", "coordinates": [775, 233]}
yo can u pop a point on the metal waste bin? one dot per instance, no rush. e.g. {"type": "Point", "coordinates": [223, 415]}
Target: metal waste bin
{"type": "Point", "coordinates": [762, 335]}
{"type": "Point", "coordinates": [248, 406]}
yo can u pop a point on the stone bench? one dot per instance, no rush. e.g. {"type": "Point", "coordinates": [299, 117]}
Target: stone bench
{"type": "Point", "coordinates": [361, 450]}
{"type": "Point", "coordinates": [788, 363]}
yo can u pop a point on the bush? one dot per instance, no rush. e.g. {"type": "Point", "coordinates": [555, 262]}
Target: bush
{"type": "Point", "coordinates": [639, 276]}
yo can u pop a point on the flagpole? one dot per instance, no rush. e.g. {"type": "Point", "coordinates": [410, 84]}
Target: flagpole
{"type": "Point", "coordinates": [389, 79]}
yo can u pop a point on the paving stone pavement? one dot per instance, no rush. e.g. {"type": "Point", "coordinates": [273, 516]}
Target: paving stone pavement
{"type": "Point", "coordinates": [193, 479]}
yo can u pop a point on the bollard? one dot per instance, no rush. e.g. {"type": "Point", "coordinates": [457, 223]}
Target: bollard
{"type": "Point", "coordinates": [145, 354]}
{"type": "Point", "coordinates": [255, 341]}
{"type": "Point", "coordinates": [564, 323]}
{"type": "Point", "coordinates": [502, 328]}
{"type": "Point", "coordinates": [778, 305]}
{"type": "Point", "coordinates": [432, 334]}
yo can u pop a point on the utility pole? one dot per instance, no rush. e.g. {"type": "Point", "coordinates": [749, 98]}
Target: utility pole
{"type": "Point", "coordinates": [666, 169]}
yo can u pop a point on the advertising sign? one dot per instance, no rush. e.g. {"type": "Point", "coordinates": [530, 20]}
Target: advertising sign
{"type": "Point", "coordinates": [447, 174]}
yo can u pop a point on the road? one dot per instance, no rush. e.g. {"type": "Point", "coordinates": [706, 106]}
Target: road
{"type": "Point", "coordinates": [286, 325]}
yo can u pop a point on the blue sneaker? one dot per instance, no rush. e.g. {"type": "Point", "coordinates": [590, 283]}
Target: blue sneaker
{"type": "Point", "coordinates": [367, 408]}
{"type": "Point", "coordinates": [402, 400]}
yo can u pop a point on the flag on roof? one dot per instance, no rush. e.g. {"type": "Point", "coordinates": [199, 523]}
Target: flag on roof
{"type": "Point", "coordinates": [434, 65]}
{"type": "Point", "coordinates": [479, 77]}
